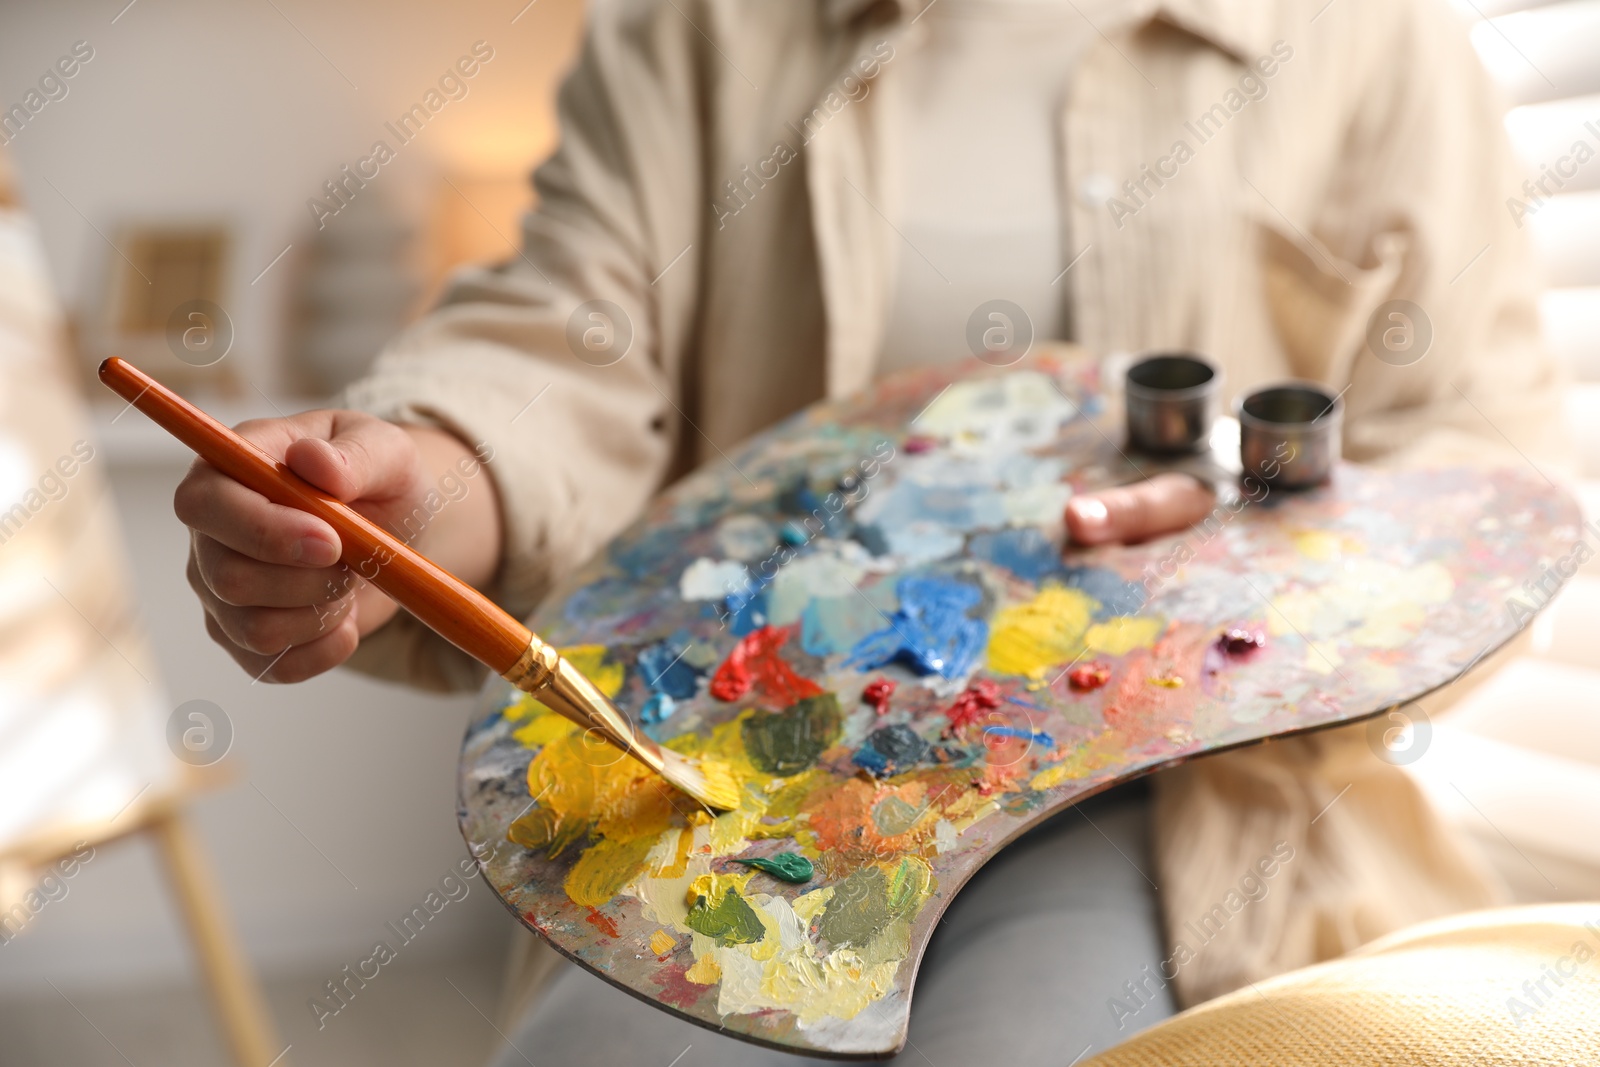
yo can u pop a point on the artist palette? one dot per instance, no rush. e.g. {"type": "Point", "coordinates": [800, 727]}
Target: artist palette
{"type": "Point", "coordinates": [865, 613]}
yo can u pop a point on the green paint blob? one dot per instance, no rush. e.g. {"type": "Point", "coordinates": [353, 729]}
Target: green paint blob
{"type": "Point", "coordinates": [908, 885]}
{"type": "Point", "coordinates": [859, 909]}
{"type": "Point", "coordinates": [728, 921]}
{"type": "Point", "coordinates": [789, 866]}
{"type": "Point", "coordinates": [790, 741]}
{"type": "Point", "coordinates": [893, 816]}
{"type": "Point", "coordinates": [867, 902]}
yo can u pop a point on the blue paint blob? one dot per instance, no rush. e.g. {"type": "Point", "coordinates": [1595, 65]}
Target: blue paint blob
{"type": "Point", "coordinates": [664, 670]}
{"type": "Point", "coordinates": [658, 707]}
{"type": "Point", "coordinates": [609, 598]}
{"type": "Point", "coordinates": [832, 625]}
{"type": "Point", "coordinates": [873, 539]}
{"type": "Point", "coordinates": [1115, 594]}
{"type": "Point", "coordinates": [793, 534]}
{"type": "Point", "coordinates": [1036, 736]}
{"type": "Point", "coordinates": [650, 552]}
{"type": "Point", "coordinates": [872, 761]}
{"type": "Point", "coordinates": [890, 750]}
{"type": "Point", "coordinates": [961, 508]}
{"type": "Point", "coordinates": [813, 518]}
{"type": "Point", "coordinates": [747, 611]}
{"type": "Point", "coordinates": [930, 632]}
{"type": "Point", "coordinates": [1023, 550]}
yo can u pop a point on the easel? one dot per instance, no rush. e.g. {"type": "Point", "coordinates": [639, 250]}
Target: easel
{"type": "Point", "coordinates": [236, 997]}
{"type": "Point", "coordinates": [85, 519]}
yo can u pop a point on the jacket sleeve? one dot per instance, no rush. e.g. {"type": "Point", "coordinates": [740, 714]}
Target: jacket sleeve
{"type": "Point", "coordinates": [1428, 171]}
{"type": "Point", "coordinates": [574, 401]}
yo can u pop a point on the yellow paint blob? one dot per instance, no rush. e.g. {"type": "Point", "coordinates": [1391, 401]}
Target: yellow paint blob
{"type": "Point", "coordinates": [603, 870]}
{"type": "Point", "coordinates": [591, 661]}
{"type": "Point", "coordinates": [1323, 545]}
{"type": "Point", "coordinates": [544, 725]}
{"type": "Point", "coordinates": [1081, 763]}
{"type": "Point", "coordinates": [1391, 626]}
{"type": "Point", "coordinates": [705, 970]}
{"type": "Point", "coordinates": [713, 887]}
{"type": "Point", "coordinates": [809, 905]}
{"type": "Point", "coordinates": [1123, 634]}
{"type": "Point", "coordinates": [633, 843]}
{"type": "Point", "coordinates": [1372, 603]}
{"type": "Point", "coordinates": [1032, 637]}
{"type": "Point", "coordinates": [790, 971]}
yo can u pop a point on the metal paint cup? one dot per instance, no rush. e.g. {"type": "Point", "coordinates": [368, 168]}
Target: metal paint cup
{"type": "Point", "coordinates": [1172, 400]}
{"type": "Point", "coordinates": [1289, 434]}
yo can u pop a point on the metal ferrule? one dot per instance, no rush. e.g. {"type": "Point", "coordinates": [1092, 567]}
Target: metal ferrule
{"type": "Point", "coordinates": [543, 672]}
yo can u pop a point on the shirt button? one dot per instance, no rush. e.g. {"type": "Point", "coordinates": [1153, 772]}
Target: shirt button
{"type": "Point", "coordinates": [1095, 189]}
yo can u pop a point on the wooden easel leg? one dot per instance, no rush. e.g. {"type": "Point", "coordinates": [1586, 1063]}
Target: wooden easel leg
{"type": "Point", "coordinates": [234, 992]}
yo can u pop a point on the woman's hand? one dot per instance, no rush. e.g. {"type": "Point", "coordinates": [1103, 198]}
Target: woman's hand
{"type": "Point", "coordinates": [275, 595]}
{"type": "Point", "coordinates": [1138, 512]}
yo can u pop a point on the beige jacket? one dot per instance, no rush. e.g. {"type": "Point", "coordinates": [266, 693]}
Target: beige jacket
{"type": "Point", "coordinates": [728, 178]}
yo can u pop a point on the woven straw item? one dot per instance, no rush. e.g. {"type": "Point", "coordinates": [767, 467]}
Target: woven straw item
{"type": "Point", "coordinates": [1460, 992]}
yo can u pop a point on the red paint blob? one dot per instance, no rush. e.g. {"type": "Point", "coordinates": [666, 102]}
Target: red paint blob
{"type": "Point", "coordinates": [981, 696]}
{"type": "Point", "coordinates": [877, 693]}
{"type": "Point", "coordinates": [1241, 642]}
{"type": "Point", "coordinates": [1089, 676]}
{"type": "Point", "coordinates": [604, 923]}
{"type": "Point", "coordinates": [754, 664]}
{"type": "Point", "coordinates": [677, 989]}
{"type": "Point", "coordinates": [917, 444]}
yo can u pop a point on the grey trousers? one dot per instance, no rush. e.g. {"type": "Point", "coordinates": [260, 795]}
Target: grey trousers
{"type": "Point", "coordinates": [1021, 971]}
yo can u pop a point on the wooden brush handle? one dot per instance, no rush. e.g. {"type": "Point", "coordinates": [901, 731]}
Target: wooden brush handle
{"type": "Point", "coordinates": [444, 603]}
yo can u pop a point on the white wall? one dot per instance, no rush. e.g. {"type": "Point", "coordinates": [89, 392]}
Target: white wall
{"type": "Point", "coordinates": [225, 111]}
{"type": "Point", "coordinates": [195, 110]}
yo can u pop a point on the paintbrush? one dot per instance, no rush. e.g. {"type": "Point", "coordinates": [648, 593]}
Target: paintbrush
{"type": "Point", "coordinates": [447, 605]}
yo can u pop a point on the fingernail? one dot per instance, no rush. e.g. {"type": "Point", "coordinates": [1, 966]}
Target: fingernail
{"type": "Point", "coordinates": [315, 552]}
{"type": "Point", "coordinates": [1092, 515]}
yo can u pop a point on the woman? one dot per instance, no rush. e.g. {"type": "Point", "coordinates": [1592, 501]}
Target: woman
{"type": "Point", "coordinates": [756, 205]}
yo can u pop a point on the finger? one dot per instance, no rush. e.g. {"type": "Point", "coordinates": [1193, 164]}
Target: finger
{"type": "Point", "coordinates": [362, 458]}
{"type": "Point", "coordinates": [210, 503]}
{"type": "Point", "coordinates": [270, 630]}
{"type": "Point", "coordinates": [297, 663]}
{"type": "Point", "coordinates": [1130, 513]}
{"type": "Point", "coordinates": [240, 581]}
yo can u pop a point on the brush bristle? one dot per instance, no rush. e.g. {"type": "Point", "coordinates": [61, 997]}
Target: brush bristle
{"type": "Point", "coordinates": [708, 781]}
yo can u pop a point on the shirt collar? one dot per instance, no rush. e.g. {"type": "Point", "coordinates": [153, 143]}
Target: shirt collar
{"type": "Point", "coordinates": [1241, 28]}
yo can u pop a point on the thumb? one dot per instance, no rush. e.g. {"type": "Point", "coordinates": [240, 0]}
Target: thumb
{"type": "Point", "coordinates": [1164, 504]}
{"type": "Point", "coordinates": [362, 458]}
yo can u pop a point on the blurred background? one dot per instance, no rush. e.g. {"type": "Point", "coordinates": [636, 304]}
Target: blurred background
{"type": "Point", "coordinates": [185, 151]}
{"type": "Point", "coordinates": [174, 173]}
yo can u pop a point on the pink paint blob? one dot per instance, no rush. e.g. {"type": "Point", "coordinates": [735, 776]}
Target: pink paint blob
{"type": "Point", "coordinates": [1241, 642]}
